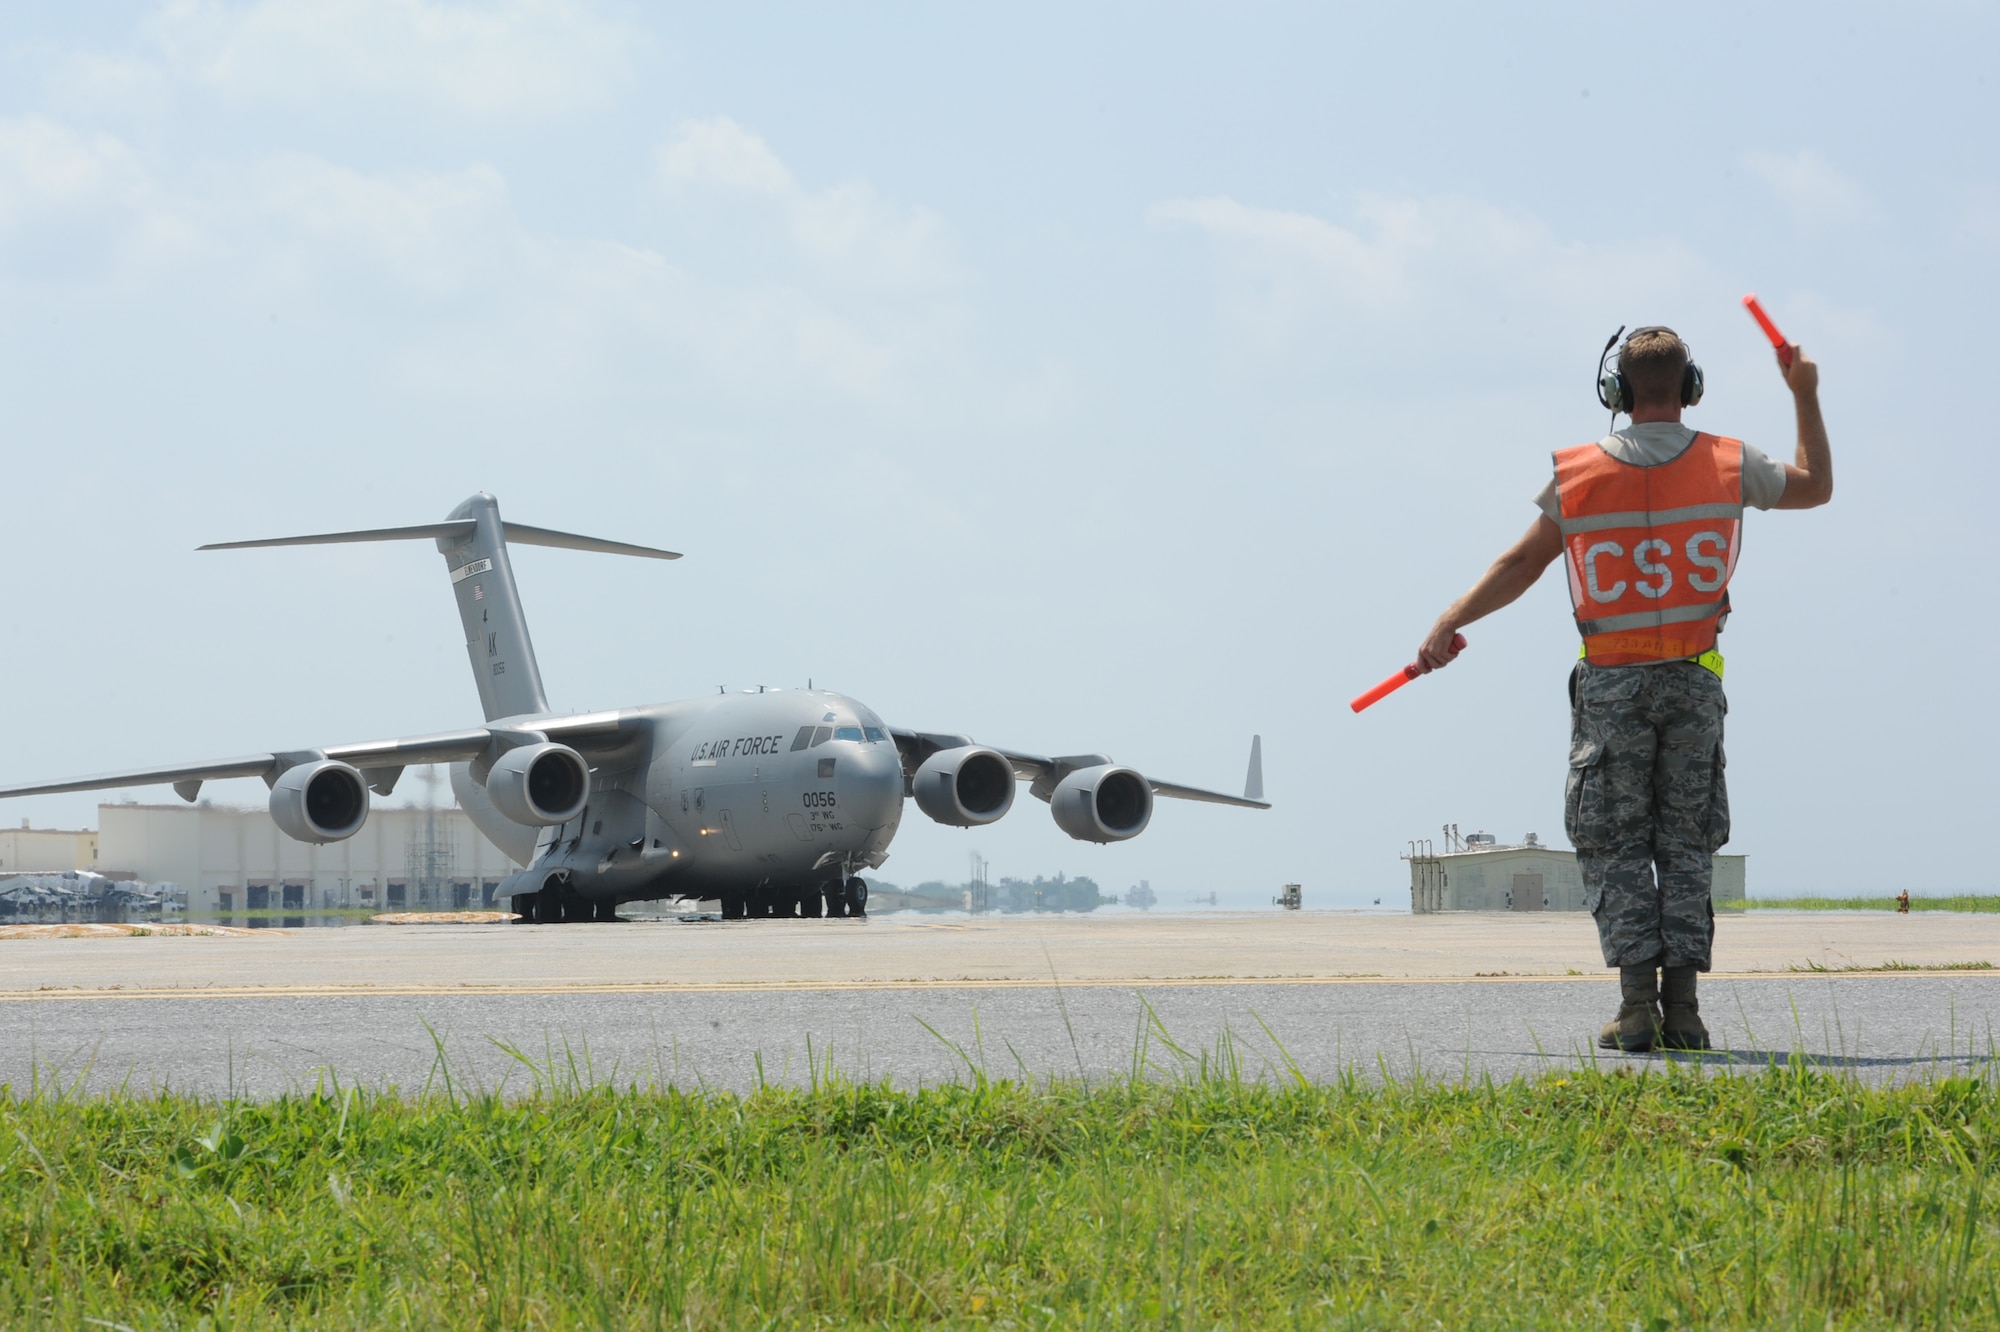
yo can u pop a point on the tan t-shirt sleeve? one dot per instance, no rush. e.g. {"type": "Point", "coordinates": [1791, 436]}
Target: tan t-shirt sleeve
{"type": "Point", "coordinates": [1763, 484]}
{"type": "Point", "coordinates": [1546, 502]}
{"type": "Point", "coordinates": [1763, 479]}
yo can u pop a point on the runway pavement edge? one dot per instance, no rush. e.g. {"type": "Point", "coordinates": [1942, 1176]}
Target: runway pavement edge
{"type": "Point", "coordinates": [72, 994]}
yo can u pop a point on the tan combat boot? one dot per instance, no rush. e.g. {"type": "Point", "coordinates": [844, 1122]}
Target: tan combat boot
{"type": "Point", "coordinates": [1637, 1025]}
{"type": "Point", "coordinates": [1682, 1028]}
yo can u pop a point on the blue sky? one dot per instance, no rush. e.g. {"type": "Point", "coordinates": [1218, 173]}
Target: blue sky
{"type": "Point", "coordinates": [1128, 378]}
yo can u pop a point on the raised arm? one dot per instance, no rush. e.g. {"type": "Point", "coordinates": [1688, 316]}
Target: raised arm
{"type": "Point", "coordinates": [1511, 575]}
{"type": "Point", "coordinates": [1809, 480]}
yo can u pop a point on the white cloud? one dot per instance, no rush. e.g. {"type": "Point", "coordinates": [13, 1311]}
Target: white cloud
{"type": "Point", "coordinates": [1817, 194]}
{"type": "Point", "coordinates": [466, 295]}
{"type": "Point", "coordinates": [1400, 266]}
{"type": "Point", "coordinates": [847, 230]}
{"type": "Point", "coordinates": [47, 165]}
{"type": "Point", "coordinates": [432, 233]}
{"type": "Point", "coordinates": [290, 222]}
{"type": "Point", "coordinates": [97, 82]}
{"type": "Point", "coordinates": [721, 152]}
{"type": "Point", "coordinates": [506, 59]}
{"type": "Point", "coordinates": [74, 201]}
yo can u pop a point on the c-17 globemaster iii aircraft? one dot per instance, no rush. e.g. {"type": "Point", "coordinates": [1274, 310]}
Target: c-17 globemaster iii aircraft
{"type": "Point", "coordinates": [770, 800]}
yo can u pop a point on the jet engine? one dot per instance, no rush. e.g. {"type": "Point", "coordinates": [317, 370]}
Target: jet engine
{"type": "Point", "coordinates": [1102, 804]}
{"type": "Point", "coordinates": [965, 787]}
{"type": "Point", "coordinates": [539, 785]}
{"type": "Point", "coordinates": [319, 802]}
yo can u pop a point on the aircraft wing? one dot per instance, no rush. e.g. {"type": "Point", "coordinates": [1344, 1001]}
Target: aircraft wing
{"type": "Point", "coordinates": [381, 761]}
{"type": "Point", "coordinates": [1043, 772]}
{"type": "Point", "coordinates": [1178, 792]}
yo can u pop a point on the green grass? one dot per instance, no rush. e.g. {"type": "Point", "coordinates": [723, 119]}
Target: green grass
{"type": "Point", "coordinates": [1793, 1197]}
{"type": "Point", "coordinates": [1954, 902]}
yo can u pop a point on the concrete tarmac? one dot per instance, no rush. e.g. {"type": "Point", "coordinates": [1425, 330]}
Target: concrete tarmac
{"type": "Point", "coordinates": [920, 1000]}
{"type": "Point", "coordinates": [984, 949]}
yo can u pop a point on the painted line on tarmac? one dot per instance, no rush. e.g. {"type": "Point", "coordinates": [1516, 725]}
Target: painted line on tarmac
{"type": "Point", "coordinates": [988, 983]}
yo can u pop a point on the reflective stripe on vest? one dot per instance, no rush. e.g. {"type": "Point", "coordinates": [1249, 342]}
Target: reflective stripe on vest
{"type": "Point", "coordinates": [1650, 550]}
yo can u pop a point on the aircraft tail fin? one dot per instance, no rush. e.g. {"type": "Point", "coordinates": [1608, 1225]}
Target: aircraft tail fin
{"type": "Point", "coordinates": [474, 541]}
{"type": "Point", "coordinates": [489, 606]}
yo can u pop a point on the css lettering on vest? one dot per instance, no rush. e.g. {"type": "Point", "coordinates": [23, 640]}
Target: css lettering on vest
{"type": "Point", "coordinates": [1650, 550]}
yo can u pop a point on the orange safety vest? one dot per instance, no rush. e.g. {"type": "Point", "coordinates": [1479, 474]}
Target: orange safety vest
{"type": "Point", "coordinates": [1650, 549]}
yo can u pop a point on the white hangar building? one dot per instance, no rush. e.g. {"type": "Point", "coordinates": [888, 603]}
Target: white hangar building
{"type": "Point", "coordinates": [227, 860]}
{"type": "Point", "coordinates": [1478, 873]}
{"type": "Point", "coordinates": [28, 850]}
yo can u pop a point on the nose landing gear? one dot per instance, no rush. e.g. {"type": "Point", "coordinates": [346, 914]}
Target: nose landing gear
{"type": "Point", "coordinates": [848, 898]}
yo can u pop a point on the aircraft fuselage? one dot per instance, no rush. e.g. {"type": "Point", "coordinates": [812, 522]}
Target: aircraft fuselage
{"type": "Point", "coordinates": [716, 796]}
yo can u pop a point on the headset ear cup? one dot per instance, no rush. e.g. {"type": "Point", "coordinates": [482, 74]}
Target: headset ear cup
{"type": "Point", "coordinates": [1615, 392]}
{"type": "Point", "coordinates": [1691, 385]}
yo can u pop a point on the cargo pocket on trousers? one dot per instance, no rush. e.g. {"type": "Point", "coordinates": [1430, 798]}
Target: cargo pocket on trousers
{"type": "Point", "coordinates": [1717, 832]}
{"type": "Point", "coordinates": [1583, 797]}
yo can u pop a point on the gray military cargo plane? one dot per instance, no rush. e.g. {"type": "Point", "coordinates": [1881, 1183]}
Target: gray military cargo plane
{"type": "Point", "coordinates": [771, 800]}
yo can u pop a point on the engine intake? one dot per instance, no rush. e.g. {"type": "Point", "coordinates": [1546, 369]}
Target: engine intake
{"type": "Point", "coordinates": [320, 802]}
{"type": "Point", "coordinates": [1102, 804]}
{"type": "Point", "coordinates": [966, 787]}
{"type": "Point", "coordinates": [540, 785]}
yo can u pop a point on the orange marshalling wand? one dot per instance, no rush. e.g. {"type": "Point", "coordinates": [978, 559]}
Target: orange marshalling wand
{"type": "Point", "coordinates": [1770, 330]}
{"type": "Point", "coordinates": [1400, 678]}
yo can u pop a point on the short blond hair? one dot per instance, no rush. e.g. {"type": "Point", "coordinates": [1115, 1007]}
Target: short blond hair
{"type": "Point", "coordinates": [1654, 361]}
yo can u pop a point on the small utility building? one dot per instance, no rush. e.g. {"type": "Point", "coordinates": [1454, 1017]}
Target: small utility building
{"type": "Point", "coordinates": [1479, 873]}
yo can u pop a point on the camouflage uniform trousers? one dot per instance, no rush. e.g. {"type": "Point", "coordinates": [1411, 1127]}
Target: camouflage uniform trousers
{"type": "Point", "coordinates": [1646, 807]}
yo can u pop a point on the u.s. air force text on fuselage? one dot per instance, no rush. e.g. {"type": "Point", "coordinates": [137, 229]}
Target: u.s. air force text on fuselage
{"type": "Point", "coordinates": [772, 801]}
{"type": "Point", "coordinates": [708, 751]}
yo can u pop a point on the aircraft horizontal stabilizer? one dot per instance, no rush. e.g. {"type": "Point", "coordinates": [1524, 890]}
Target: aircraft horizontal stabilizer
{"type": "Point", "coordinates": [519, 534]}
{"type": "Point", "coordinates": [457, 527]}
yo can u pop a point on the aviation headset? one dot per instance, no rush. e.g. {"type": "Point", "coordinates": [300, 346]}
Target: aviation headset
{"type": "Point", "coordinates": [1614, 391]}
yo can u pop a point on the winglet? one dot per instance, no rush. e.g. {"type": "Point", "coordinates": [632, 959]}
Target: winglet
{"type": "Point", "coordinates": [1253, 785]}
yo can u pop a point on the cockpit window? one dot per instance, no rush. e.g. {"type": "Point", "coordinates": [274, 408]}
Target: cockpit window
{"type": "Point", "coordinates": [821, 734]}
{"type": "Point", "coordinates": [802, 739]}
{"type": "Point", "coordinates": [876, 734]}
{"type": "Point", "coordinates": [847, 733]}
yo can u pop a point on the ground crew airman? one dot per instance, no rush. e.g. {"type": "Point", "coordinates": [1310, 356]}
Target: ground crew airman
{"type": "Point", "coordinates": [1648, 522]}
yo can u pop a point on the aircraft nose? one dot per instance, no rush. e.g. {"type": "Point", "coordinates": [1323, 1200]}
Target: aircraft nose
{"type": "Point", "coordinates": [871, 783]}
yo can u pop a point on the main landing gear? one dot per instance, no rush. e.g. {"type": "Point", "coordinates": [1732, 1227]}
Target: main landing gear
{"type": "Point", "coordinates": [771, 902]}
{"type": "Point", "coordinates": [847, 898]}
{"type": "Point", "coordinates": [552, 907]}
